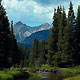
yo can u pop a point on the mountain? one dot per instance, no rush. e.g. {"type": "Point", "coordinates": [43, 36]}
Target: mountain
{"type": "Point", "coordinates": [40, 35]}
{"type": "Point", "coordinates": [22, 31]}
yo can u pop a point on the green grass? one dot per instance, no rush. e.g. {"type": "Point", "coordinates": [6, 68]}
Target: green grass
{"type": "Point", "coordinates": [73, 70]}
{"type": "Point", "coordinates": [13, 73]}
{"type": "Point", "coordinates": [71, 73]}
{"type": "Point", "coordinates": [73, 78]}
{"type": "Point", "coordinates": [68, 73]}
{"type": "Point", "coordinates": [5, 75]}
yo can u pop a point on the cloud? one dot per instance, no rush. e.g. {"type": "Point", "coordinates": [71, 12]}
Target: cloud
{"type": "Point", "coordinates": [27, 11]}
{"type": "Point", "coordinates": [34, 12]}
{"type": "Point", "coordinates": [50, 2]}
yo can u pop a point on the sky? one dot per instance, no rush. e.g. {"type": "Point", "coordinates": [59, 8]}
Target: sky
{"type": "Point", "coordinates": [35, 12]}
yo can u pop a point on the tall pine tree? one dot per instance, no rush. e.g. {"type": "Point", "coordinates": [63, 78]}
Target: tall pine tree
{"type": "Point", "coordinates": [76, 56]}
{"type": "Point", "coordinates": [14, 55]}
{"type": "Point", "coordinates": [35, 53]}
{"type": "Point", "coordinates": [43, 52]}
{"type": "Point", "coordinates": [4, 38]}
{"type": "Point", "coordinates": [53, 39]}
{"type": "Point", "coordinates": [60, 55]}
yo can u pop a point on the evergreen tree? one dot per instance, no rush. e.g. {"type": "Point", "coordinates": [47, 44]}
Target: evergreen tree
{"type": "Point", "coordinates": [4, 38]}
{"type": "Point", "coordinates": [56, 57]}
{"type": "Point", "coordinates": [15, 56]}
{"type": "Point", "coordinates": [53, 39]}
{"type": "Point", "coordinates": [76, 56]}
{"type": "Point", "coordinates": [43, 52]}
{"type": "Point", "coordinates": [26, 55]}
{"type": "Point", "coordinates": [67, 44]}
{"type": "Point", "coordinates": [60, 53]}
{"type": "Point", "coordinates": [25, 61]}
{"type": "Point", "coordinates": [35, 53]}
{"type": "Point", "coordinates": [71, 17]}
{"type": "Point", "coordinates": [68, 36]}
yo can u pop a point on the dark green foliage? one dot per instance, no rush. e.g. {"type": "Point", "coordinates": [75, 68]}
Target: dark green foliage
{"type": "Point", "coordinates": [67, 44]}
{"type": "Point", "coordinates": [58, 58]}
{"type": "Point", "coordinates": [76, 56]}
{"type": "Point", "coordinates": [34, 53]}
{"type": "Point", "coordinates": [62, 19]}
{"type": "Point", "coordinates": [14, 48]}
{"type": "Point", "coordinates": [43, 52]}
{"type": "Point", "coordinates": [9, 54]}
{"type": "Point", "coordinates": [68, 36]}
{"type": "Point", "coordinates": [4, 38]}
{"type": "Point", "coordinates": [61, 39]}
{"type": "Point", "coordinates": [25, 61]}
{"type": "Point", "coordinates": [25, 56]}
{"type": "Point", "coordinates": [53, 39]}
{"type": "Point", "coordinates": [63, 48]}
{"type": "Point", "coordinates": [71, 17]}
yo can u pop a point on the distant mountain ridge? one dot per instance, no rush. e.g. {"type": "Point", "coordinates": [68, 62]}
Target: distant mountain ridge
{"type": "Point", "coordinates": [22, 31]}
{"type": "Point", "coordinates": [40, 35]}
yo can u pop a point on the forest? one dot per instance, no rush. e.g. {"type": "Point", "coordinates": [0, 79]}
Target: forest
{"type": "Point", "coordinates": [63, 46]}
{"type": "Point", "coordinates": [61, 50]}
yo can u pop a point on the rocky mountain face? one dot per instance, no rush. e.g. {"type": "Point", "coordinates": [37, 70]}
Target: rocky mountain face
{"type": "Point", "coordinates": [22, 31]}
{"type": "Point", "coordinates": [40, 35]}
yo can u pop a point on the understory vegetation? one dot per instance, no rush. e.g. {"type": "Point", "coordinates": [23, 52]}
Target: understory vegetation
{"type": "Point", "coordinates": [13, 73]}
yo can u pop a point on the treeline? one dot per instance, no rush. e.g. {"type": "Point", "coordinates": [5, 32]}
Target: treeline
{"type": "Point", "coordinates": [63, 47]}
{"type": "Point", "coordinates": [10, 54]}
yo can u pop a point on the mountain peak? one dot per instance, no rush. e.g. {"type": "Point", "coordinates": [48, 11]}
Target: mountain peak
{"type": "Point", "coordinates": [19, 23]}
{"type": "Point", "coordinates": [47, 24]}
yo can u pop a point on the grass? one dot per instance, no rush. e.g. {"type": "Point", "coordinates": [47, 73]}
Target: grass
{"type": "Point", "coordinates": [12, 74]}
{"type": "Point", "coordinates": [73, 78]}
{"type": "Point", "coordinates": [71, 73]}
{"type": "Point", "coordinates": [73, 70]}
{"type": "Point", "coordinates": [43, 67]}
{"type": "Point", "coordinates": [5, 75]}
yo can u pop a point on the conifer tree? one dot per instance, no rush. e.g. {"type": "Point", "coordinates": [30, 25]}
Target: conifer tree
{"type": "Point", "coordinates": [76, 56]}
{"type": "Point", "coordinates": [35, 53]}
{"type": "Point", "coordinates": [15, 56]}
{"type": "Point", "coordinates": [71, 17]}
{"type": "Point", "coordinates": [67, 45]}
{"type": "Point", "coordinates": [4, 38]}
{"type": "Point", "coordinates": [25, 61]}
{"type": "Point", "coordinates": [52, 39]}
{"type": "Point", "coordinates": [62, 24]}
{"type": "Point", "coordinates": [57, 56]}
{"type": "Point", "coordinates": [68, 36]}
{"type": "Point", "coordinates": [26, 55]}
{"type": "Point", "coordinates": [43, 52]}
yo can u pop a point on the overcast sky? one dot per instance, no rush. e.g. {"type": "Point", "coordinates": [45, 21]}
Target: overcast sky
{"type": "Point", "coordinates": [35, 12]}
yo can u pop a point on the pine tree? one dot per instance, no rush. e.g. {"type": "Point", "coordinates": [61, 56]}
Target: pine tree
{"type": "Point", "coordinates": [4, 38]}
{"type": "Point", "coordinates": [71, 17]}
{"type": "Point", "coordinates": [62, 24]}
{"type": "Point", "coordinates": [35, 53]}
{"type": "Point", "coordinates": [26, 55]}
{"type": "Point", "coordinates": [68, 35]}
{"type": "Point", "coordinates": [53, 39]}
{"type": "Point", "coordinates": [56, 57]}
{"type": "Point", "coordinates": [14, 48]}
{"type": "Point", "coordinates": [25, 61]}
{"type": "Point", "coordinates": [67, 44]}
{"type": "Point", "coordinates": [43, 52]}
{"type": "Point", "coordinates": [76, 56]}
